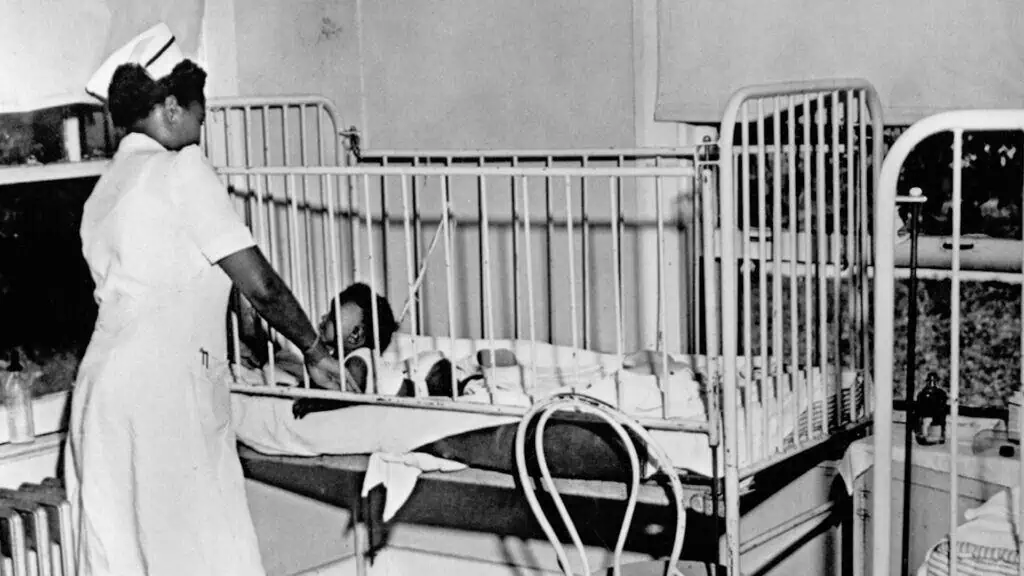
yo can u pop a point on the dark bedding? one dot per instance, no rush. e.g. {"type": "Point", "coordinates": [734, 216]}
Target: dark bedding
{"type": "Point", "coordinates": [582, 447]}
{"type": "Point", "coordinates": [573, 449]}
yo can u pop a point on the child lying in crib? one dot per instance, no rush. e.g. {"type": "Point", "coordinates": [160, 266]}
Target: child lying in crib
{"type": "Point", "coordinates": [353, 307]}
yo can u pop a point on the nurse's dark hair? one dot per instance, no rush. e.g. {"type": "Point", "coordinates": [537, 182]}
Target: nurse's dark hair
{"type": "Point", "coordinates": [362, 296]}
{"type": "Point", "coordinates": [133, 92]}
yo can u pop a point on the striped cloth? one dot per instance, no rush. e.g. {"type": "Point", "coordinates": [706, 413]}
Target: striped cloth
{"type": "Point", "coordinates": [971, 560]}
{"type": "Point", "coordinates": [986, 542]}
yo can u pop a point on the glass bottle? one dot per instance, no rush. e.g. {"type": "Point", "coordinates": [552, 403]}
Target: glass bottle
{"type": "Point", "coordinates": [930, 408]}
{"type": "Point", "coordinates": [17, 394]}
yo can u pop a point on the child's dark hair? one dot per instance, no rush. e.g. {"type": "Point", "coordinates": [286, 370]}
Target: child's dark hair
{"type": "Point", "coordinates": [361, 295]}
{"type": "Point", "coordinates": [133, 92]}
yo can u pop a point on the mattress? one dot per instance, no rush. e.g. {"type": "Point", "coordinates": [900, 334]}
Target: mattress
{"type": "Point", "coordinates": [635, 383]}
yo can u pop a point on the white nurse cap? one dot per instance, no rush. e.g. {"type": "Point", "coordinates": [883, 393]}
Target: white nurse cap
{"type": "Point", "coordinates": [155, 50]}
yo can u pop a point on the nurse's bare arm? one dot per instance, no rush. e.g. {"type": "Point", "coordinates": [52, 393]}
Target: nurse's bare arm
{"type": "Point", "coordinates": [274, 301]}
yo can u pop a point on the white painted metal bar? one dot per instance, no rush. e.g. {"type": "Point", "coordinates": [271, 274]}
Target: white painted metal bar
{"type": "Point", "coordinates": [778, 327]}
{"type": "Point", "coordinates": [488, 296]}
{"type": "Point", "coordinates": [450, 276]}
{"type": "Point", "coordinates": [833, 385]}
{"type": "Point", "coordinates": [614, 192]}
{"type": "Point", "coordinates": [796, 380]}
{"type": "Point", "coordinates": [821, 256]}
{"type": "Point", "coordinates": [747, 330]}
{"type": "Point", "coordinates": [954, 353]}
{"type": "Point", "coordinates": [585, 255]}
{"type": "Point", "coordinates": [532, 154]}
{"type": "Point", "coordinates": [571, 250]}
{"type": "Point", "coordinates": [956, 122]}
{"type": "Point", "coordinates": [553, 172]}
{"type": "Point", "coordinates": [374, 291]}
{"type": "Point", "coordinates": [762, 292]}
{"type": "Point", "coordinates": [663, 382]}
{"type": "Point", "coordinates": [531, 303]}
{"type": "Point", "coordinates": [851, 211]}
{"type": "Point", "coordinates": [411, 261]}
{"type": "Point", "coordinates": [806, 395]}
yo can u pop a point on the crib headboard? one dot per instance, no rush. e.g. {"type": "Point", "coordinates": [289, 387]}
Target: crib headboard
{"type": "Point", "coordinates": [958, 123]}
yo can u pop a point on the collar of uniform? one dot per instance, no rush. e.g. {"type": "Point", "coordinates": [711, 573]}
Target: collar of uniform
{"type": "Point", "coordinates": [136, 142]}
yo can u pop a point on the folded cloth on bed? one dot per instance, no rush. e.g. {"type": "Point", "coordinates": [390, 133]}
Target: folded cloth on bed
{"type": "Point", "coordinates": [398, 474]}
{"type": "Point", "coordinates": [986, 543]}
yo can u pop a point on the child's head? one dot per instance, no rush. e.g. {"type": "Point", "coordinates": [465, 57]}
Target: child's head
{"type": "Point", "coordinates": [354, 306]}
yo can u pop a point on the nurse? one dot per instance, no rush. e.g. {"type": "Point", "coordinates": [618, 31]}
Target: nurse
{"type": "Point", "coordinates": [151, 466]}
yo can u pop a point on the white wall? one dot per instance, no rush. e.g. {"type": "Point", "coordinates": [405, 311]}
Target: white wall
{"type": "Point", "coordinates": [483, 74]}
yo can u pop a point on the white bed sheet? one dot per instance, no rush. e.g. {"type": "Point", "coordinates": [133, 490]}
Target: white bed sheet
{"type": "Point", "coordinates": [631, 383]}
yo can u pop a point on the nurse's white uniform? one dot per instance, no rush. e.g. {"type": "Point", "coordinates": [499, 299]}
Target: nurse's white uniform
{"type": "Point", "coordinates": [152, 470]}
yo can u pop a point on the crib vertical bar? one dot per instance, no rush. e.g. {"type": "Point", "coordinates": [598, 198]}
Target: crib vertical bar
{"type": "Point", "coordinates": [836, 243]}
{"type": "Point", "coordinates": [585, 257]}
{"type": "Point", "coordinates": [822, 258]}
{"type": "Point", "coordinates": [450, 278]}
{"type": "Point", "coordinates": [515, 254]}
{"type": "Point", "coordinates": [694, 236]}
{"type": "Point", "coordinates": [275, 258]}
{"type": "Point", "coordinates": [334, 260]}
{"type": "Point", "coordinates": [614, 203]}
{"type": "Point", "coordinates": [954, 352]}
{"type": "Point", "coordinates": [619, 227]}
{"type": "Point", "coordinates": [487, 295]}
{"type": "Point", "coordinates": [865, 248]}
{"type": "Point", "coordinates": [806, 393]}
{"type": "Point", "coordinates": [296, 253]}
{"type": "Point", "coordinates": [372, 264]}
{"type": "Point", "coordinates": [529, 282]}
{"type": "Point", "coordinates": [744, 205]}
{"type": "Point", "coordinates": [762, 283]}
{"type": "Point", "coordinates": [311, 272]}
{"type": "Point", "coordinates": [410, 264]}
{"type": "Point", "coordinates": [417, 235]}
{"type": "Point", "coordinates": [852, 257]}
{"type": "Point", "coordinates": [778, 325]}
{"type": "Point", "coordinates": [384, 225]}
{"type": "Point", "coordinates": [550, 255]}
{"type": "Point", "coordinates": [663, 380]}
{"type": "Point", "coordinates": [794, 277]}
{"type": "Point", "coordinates": [711, 311]}
{"type": "Point", "coordinates": [730, 403]}
{"type": "Point", "coordinates": [480, 246]}
{"type": "Point", "coordinates": [353, 221]}
{"type": "Point", "coordinates": [572, 278]}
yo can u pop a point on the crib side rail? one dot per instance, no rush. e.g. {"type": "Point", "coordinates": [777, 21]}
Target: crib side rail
{"type": "Point", "coordinates": [535, 156]}
{"type": "Point", "coordinates": [957, 123]}
{"type": "Point", "coordinates": [790, 233]}
{"type": "Point", "coordinates": [304, 216]}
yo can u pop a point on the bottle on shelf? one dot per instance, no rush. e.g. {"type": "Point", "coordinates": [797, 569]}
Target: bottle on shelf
{"type": "Point", "coordinates": [930, 409]}
{"type": "Point", "coordinates": [17, 396]}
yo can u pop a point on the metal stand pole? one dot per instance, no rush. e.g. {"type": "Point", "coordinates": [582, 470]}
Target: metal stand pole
{"type": "Point", "coordinates": [917, 200]}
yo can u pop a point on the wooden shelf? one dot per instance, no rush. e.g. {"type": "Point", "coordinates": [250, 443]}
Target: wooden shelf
{"type": "Point", "coordinates": [22, 174]}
